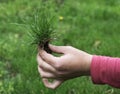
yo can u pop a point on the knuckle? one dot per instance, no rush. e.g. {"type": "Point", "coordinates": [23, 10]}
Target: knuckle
{"type": "Point", "coordinates": [40, 66]}
{"type": "Point", "coordinates": [43, 76]}
{"type": "Point", "coordinates": [58, 66]}
{"type": "Point", "coordinates": [43, 57]}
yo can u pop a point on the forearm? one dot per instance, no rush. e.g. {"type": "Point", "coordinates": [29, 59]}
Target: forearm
{"type": "Point", "coordinates": [105, 70]}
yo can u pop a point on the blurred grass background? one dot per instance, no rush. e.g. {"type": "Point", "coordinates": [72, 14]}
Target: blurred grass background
{"type": "Point", "coordinates": [89, 25]}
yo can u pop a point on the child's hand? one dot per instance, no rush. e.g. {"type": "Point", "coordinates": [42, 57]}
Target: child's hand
{"type": "Point", "coordinates": [73, 63]}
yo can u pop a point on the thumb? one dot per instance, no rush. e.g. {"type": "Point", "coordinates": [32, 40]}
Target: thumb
{"type": "Point", "coordinates": [58, 49]}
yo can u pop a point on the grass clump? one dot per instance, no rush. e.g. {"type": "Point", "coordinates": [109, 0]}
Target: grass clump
{"type": "Point", "coordinates": [42, 29]}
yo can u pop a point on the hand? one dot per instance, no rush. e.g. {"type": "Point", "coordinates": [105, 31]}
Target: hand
{"type": "Point", "coordinates": [73, 63]}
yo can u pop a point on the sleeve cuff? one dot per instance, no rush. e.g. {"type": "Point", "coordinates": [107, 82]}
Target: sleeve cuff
{"type": "Point", "coordinates": [95, 69]}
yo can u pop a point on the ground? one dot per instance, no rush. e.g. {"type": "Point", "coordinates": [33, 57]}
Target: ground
{"type": "Point", "coordinates": [89, 25]}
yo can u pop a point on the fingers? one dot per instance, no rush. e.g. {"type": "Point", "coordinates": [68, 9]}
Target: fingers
{"type": "Point", "coordinates": [52, 85]}
{"type": "Point", "coordinates": [48, 58]}
{"type": "Point", "coordinates": [45, 74]}
{"type": "Point", "coordinates": [58, 49]}
{"type": "Point", "coordinates": [45, 66]}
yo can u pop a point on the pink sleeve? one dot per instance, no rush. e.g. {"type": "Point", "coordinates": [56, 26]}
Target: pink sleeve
{"type": "Point", "coordinates": [105, 70]}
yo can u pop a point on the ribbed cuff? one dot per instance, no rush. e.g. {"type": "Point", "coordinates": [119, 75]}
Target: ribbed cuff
{"type": "Point", "coordinates": [95, 69]}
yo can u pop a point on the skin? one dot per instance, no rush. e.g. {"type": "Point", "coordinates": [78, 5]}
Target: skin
{"type": "Point", "coordinates": [72, 63]}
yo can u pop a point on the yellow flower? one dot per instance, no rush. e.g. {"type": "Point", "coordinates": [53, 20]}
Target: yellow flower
{"type": "Point", "coordinates": [61, 18]}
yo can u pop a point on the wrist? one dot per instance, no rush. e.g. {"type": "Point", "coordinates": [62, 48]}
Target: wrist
{"type": "Point", "coordinates": [88, 64]}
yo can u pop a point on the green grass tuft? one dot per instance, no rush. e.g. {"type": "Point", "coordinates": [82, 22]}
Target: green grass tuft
{"type": "Point", "coordinates": [42, 30]}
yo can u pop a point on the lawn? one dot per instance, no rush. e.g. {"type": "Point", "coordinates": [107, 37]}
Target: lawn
{"type": "Point", "coordinates": [89, 25]}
